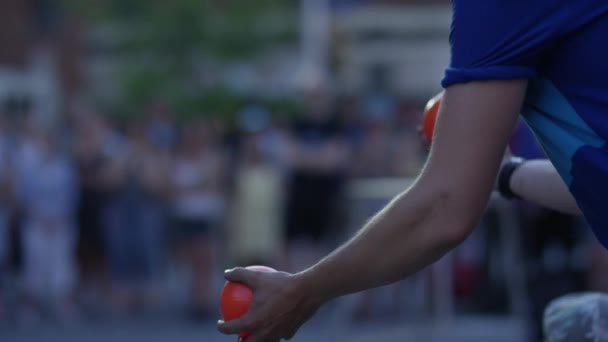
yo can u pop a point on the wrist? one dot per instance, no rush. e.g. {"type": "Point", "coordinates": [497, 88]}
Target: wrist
{"type": "Point", "coordinates": [310, 284]}
{"type": "Point", "coordinates": [505, 178]}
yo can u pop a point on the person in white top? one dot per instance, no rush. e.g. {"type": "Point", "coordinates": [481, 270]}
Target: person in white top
{"type": "Point", "coordinates": [48, 193]}
{"type": "Point", "coordinates": [256, 221]}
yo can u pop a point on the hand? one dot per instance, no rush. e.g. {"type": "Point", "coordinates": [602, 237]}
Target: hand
{"type": "Point", "coordinates": [279, 307]}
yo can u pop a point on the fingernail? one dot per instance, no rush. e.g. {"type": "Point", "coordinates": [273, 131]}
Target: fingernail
{"type": "Point", "coordinates": [220, 322]}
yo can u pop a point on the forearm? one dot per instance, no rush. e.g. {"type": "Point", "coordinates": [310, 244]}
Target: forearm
{"type": "Point", "coordinates": [537, 181]}
{"type": "Point", "coordinates": [417, 228]}
{"type": "Point", "coordinates": [413, 231]}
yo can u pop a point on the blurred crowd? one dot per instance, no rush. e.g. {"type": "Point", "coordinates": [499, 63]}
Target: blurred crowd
{"type": "Point", "coordinates": [99, 210]}
{"type": "Point", "coordinates": [104, 216]}
{"type": "Point", "coordinates": [118, 217]}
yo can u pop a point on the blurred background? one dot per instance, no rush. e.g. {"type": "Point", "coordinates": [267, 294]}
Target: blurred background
{"type": "Point", "coordinates": [145, 146]}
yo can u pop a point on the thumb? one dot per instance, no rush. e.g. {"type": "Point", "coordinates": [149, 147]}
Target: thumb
{"type": "Point", "coordinates": [241, 275]}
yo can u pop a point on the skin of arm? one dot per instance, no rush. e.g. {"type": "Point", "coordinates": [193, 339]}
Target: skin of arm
{"type": "Point", "coordinates": [538, 181]}
{"type": "Point", "coordinates": [418, 227]}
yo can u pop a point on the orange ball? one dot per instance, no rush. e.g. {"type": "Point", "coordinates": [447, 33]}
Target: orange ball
{"type": "Point", "coordinates": [430, 116]}
{"type": "Point", "coordinates": [236, 298]}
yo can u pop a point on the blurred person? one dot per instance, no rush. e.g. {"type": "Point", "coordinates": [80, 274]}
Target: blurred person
{"type": "Point", "coordinates": [257, 213]}
{"type": "Point", "coordinates": [411, 154]}
{"type": "Point", "coordinates": [408, 115]}
{"type": "Point", "coordinates": [317, 156]}
{"type": "Point", "coordinates": [270, 133]}
{"type": "Point", "coordinates": [6, 203]}
{"type": "Point", "coordinates": [91, 158]}
{"type": "Point", "coordinates": [47, 189]}
{"type": "Point", "coordinates": [375, 158]}
{"type": "Point", "coordinates": [411, 159]}
{"type": "Point", "coordinates": [27, 142]}
{"type": "Point", "coordinates": [544, 60]}
{"type": "Point", "coordinates": [349, 115]}
{"type": "Point", "coordinates": [390, 147]}
{"type": "Point", "coordinates": [198, 207]}
{"type": "Point", "coordinates": [137, 180]}
{"type": "Point", "coordinates": [386, 150]}
{"type": "Point", "coordinates": [160, 129]}
{"type": "Point", "coordinates": [272, 143]}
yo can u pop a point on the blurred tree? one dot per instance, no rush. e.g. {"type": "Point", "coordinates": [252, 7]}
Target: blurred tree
{"type": "Point", "coordinates": [165, 42]}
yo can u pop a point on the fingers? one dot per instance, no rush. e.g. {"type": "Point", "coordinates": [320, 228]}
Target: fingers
{"type": "Point", "coordinates": [232, 327]}
{"type": "Point", "coordinates": [242, 275]}
{"type": "Point", "coordinates": [263, 335]}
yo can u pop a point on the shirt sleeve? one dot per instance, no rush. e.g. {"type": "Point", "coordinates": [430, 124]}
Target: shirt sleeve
{"type": "Point", "coordinates": [497, 39]}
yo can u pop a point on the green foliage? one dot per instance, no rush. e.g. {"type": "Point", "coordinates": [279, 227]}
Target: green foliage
{"type": "Point", "coordinates": [162, 41]}
{"type": "Point", "coordinates": [284, 108]}
{"type": "Point", "coordinates": [227, 29]}
{"type": "Point", "coordinates": [216, 103]}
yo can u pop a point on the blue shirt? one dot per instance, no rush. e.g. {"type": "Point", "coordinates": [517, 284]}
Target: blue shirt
{"type": "Point", "coordinates": [561, 46]}
{"type": "Point", "coordinates": [524, 144]}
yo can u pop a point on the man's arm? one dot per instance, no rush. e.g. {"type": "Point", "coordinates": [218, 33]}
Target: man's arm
{"type": "Point", "coordinates": [418, 227]}
{"type": "Point", "coordinates": [538, 181]}
{"type": "Point", "coordinates": [444, 204]}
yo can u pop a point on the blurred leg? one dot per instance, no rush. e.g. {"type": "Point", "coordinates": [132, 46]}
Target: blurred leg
{"type": "Point", "coordinates": [151, 228]}
{"type": "Point", "coordinates": [62, 277]}
{"type": "Point", "coordinates": [35, 257]}
{"type": "Point", "coordinates": [117, 245]}
{"type": "Point", "coordinates": [61, 258]}
{"type": "Point", "coordinates": [306, 228]}
{"type": "Point", "coordinates": [152, 225]}
{"type": "Point", "coordinates": [197, 248]}
{"type": "Point", "coordinates": [90, 251]}
{"type": "Point", "coordinates": [35, 266]}
{"type": "Point", "coordinates": [3, 256]}
{"type": "Point", "coordinates": [3, 241]}
{"type": "Point", "coordinates": [576, 318]}
{"type": "Point", "coordinates": [201, 263]}
{"type": "Point", "coordinates": [301, 225]}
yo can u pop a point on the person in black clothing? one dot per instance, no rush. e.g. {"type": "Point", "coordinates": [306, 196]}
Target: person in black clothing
{"type": "Point", "coordinates": [316, 157]}
{"type": "Point", "coordinates": [91, 161]}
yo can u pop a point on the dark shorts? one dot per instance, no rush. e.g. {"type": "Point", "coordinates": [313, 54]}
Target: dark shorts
{"type": "Point", "coordinates": [312, 205]}
{"type": "Point", "coordinates": [189, 228]}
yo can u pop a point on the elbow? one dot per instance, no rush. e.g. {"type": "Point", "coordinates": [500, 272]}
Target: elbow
{"type": "Point", "coordinates": [454, 235]}
{"type": "Point", "coordinates": [456, 217]}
